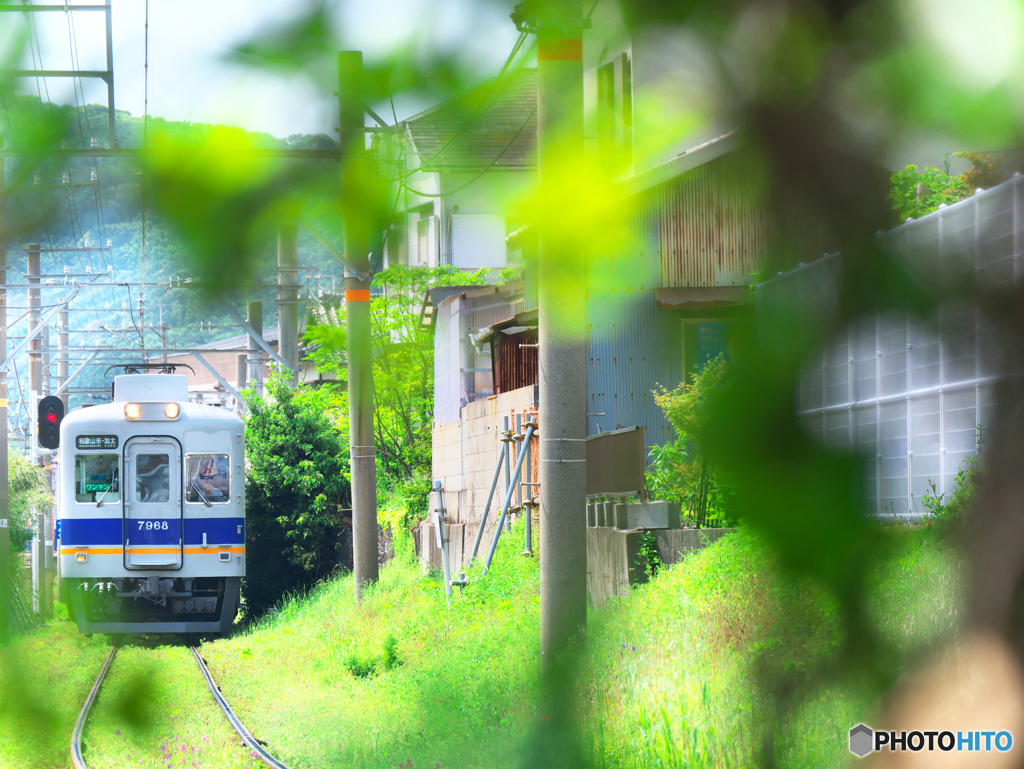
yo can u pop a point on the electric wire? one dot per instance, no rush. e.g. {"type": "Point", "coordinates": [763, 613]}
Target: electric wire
{"type": "Point", "coordinates": [101, 225]}
{"type": "Point", "coordinates": [145, 127]}
{"type": "Point", "coordinates": [75, 85]}
{"type": "Point", "coordinates": [497, 87]}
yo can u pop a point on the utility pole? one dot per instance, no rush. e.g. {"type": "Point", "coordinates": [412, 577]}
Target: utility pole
{"type": "Point", "coordinates": [5, 547]}
{"type": "Point", "coordinates": [288, 298]}
{"type": "Point", "coordinates": [561, 275]}
{"type": "Point", "coordinates": [35, 363]}
{"type": "Point", "coordinates": [254, 317]}
{"type": "Point", "coordinates": [62, 359]}
{"type": "Point", "coordinates": [354, 177]}
{"type": "Point", "coordinates": [44, 365]}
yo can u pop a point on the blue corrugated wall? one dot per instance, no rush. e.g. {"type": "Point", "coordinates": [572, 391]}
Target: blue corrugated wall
{"type": "Point", "coordinates": [632, 345]}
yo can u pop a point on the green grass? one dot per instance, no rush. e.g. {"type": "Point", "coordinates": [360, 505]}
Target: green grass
{"type": "Point", "coordinates": [44, 679]}
{"type": "Point", "coordinates": [673, 675]}
{"type": "Point", "coordinates": [679, 673]}
{"type": "Point", "coordinates": [154, 709]}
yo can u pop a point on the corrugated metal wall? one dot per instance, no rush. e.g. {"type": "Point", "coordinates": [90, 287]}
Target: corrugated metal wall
{"type": "Point", "coordinates": [515, 366]}
{"type": "Point", "coordinates": [461, 374]}
{"type": "Point", "coordinates": [702, 229]}
{"type": "Point", "coordinates": [909, 393]}
{"type": "Point", "coordinates": [447, 389]}
{"type": "Point", "coordinates": [713, 229]}
{"type": "Point", "coordinates": [631, 345]}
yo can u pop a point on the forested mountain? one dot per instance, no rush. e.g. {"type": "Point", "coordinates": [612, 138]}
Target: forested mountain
{"type": "Point", "coordinates": [45, 207]}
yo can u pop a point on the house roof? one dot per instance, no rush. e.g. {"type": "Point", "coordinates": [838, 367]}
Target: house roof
{"type": "Point", "coordinates": [270, 336]}
{"type": "Point", "coordinates": [504, 114]}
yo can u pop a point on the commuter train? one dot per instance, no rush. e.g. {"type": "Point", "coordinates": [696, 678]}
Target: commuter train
{"type": "Point", "coordinates": [151, 506]}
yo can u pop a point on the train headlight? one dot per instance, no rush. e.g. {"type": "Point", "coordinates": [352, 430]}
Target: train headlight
{"type": "Point", "coordinates": [171, 411]}
{"type": "Point", "coordinates": [132, 410]}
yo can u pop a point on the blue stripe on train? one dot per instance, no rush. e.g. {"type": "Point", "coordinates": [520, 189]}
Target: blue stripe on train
{"type": "Point", "coordinates": [108, 531]}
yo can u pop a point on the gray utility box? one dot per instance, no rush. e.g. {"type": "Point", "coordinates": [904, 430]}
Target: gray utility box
{"type": "Point", "coordinates": [656, 514]}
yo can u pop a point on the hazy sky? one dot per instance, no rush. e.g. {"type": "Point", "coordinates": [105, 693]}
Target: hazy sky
{"type": "Point", "coordinates": [189, 78]}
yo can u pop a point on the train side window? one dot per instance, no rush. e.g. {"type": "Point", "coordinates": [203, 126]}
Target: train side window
{"type": "Point", "coordinates": [208, 478]}
{"type": "Point", "coordinates": [152, 478]}
{"type": "Point", "coordinates": [97, 478]}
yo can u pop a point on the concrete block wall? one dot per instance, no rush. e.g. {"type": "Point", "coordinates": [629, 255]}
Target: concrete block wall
{"type": "Point", "coordinates": [464, 454]}
{"type": "Point", "coordinates": [613, 556]}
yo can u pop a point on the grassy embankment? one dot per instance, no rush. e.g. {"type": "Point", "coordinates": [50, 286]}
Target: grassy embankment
{"type": "Point", "coordinates": [668, 677]}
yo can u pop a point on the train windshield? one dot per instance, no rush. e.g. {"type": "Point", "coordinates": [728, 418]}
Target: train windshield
{"type": "Point", "coordinates": [96, 478]}
{"type": "Point", "coordinates": [208, 478]}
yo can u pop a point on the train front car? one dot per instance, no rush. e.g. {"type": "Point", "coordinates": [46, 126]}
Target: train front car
{"type": "Point", "coordinates": [152, 512]}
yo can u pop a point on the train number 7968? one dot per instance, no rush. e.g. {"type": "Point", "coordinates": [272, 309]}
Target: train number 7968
{"type": "Point", "coordinates": [152, 525]}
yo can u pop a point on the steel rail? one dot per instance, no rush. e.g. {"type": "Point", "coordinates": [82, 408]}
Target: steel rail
{"type": "Point", "coordinates": [237, 725]}
{"type": "Point", "coordinates": [76, 734]}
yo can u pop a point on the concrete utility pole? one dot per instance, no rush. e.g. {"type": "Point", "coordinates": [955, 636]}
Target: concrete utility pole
{"type": "Point", "coordinates": [62, 359]}
{"type": "Point", "coordinates": [561, 276]}
{"type": "Point", "coordinates": [5, 547]}
{"type": "Point", "coordinates": [288, 298]}
{"type": "Point", "coordinates": [357, 319]}
{"type": "Point", "coordinates": [35, 362]}
{"type": "Point", "coordinates": [254, 317]}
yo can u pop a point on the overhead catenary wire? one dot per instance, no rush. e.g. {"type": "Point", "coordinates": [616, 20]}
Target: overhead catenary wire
{"type": "Point", "coordinates": [496, 89]}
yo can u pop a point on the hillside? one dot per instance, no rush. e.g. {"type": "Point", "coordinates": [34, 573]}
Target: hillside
{"type": "Point", "coordinates": [40, 211]}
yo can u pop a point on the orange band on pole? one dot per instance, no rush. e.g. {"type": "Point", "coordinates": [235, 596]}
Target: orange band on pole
{"type": "Point", "coordinates": [560, 49]}
{"type": "Point", "coordinates": [357, 295]}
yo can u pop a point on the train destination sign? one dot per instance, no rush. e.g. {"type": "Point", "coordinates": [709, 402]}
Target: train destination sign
{"type": "Point", "coordinates": [96, 442]}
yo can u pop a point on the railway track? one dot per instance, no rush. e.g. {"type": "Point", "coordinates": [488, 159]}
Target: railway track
{"type": "Point", "coordinates": [78, 762]}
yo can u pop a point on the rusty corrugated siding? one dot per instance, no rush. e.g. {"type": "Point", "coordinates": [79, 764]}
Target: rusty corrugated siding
{"type": "Point", "coordinates": [515, 366]}
{"type": "Point", "coordinates": [702, 229]}
{"type": "Point", "coordinates": [713, 230]}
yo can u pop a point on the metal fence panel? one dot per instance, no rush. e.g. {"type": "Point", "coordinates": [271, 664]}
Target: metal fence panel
{"type": "Point", "coordinates": [911, 393]}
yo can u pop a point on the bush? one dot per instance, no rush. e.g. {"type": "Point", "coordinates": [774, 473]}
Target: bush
{"type": "Point", "coordinates": [28, 492]}
{"type": "Point", "coordinates": [297, 481]}
{"type": "Point", "coordinates": [680, 471]}
{"type": "Point", "coordinates": [947, 514]}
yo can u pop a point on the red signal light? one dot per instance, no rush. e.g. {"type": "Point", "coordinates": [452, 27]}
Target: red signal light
{"type": "Point", "coordinates": [51, 418]}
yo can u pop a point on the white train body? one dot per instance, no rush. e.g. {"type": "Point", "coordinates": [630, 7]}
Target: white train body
{"type": "Point", "coordinates": [151, 503]}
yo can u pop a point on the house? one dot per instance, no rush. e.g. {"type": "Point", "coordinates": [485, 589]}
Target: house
{"type": "Point", "coordinates": [660, 296]}
{"type": "Point", "coordinates": [467, 161]}
{"type": "Point", "coordinates": [225, 356]}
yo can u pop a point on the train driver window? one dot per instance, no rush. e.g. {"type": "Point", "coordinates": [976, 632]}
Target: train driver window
{"type": "Point", "coordinates": [207, 478]}
{"type": "Point", "coordinates": [97, 478]}
{"type": "Point", "coordinates": [152, 481]}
